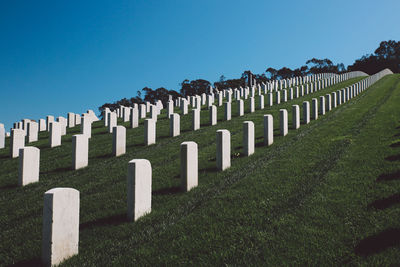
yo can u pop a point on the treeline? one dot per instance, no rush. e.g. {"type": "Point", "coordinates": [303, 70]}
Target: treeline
{"type": "Point", "coordinates": [387, 55]}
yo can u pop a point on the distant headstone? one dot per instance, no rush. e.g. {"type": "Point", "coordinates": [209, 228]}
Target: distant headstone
{"type": "Point", "coordinates": [112, 121]}
{"type": "Point", "coordinates": [240, 107]}
{"type": "Point", "coordinates": [55, 134]}
{"type": "Point", "coordinates": [134, 118]}
{"type": "Point", "coordinates": [174, 125]}
{"type": "Point", "coordinates": [306, 112]}
{"type": "Point", "coordinates": [228, 111]}
{"type": "Point", "coordinates": [296, 116]}
{"type": "Point", "coordinates": [195, 119]}
{"type": "Point", "coordinates": [283, 121]}
{"type": "Point", "coordinates": [119, 141]}
{"type": "Point", "coordinates": [268, 129]}
{"type": "Point", "coordinates": [213, 115]}
{"type": "Point", "coordinates": [314, 110]}
{"type": "Point", "coordinates": [17, 141]}
{"type": "Point", "coordinates": [32, 131]}
{"type": "Point", "coordinates": [149, 132]}
{"type": "Point", "coordinates": [248, 138]}
{"type": "Point", "coordinates": [71, 120]}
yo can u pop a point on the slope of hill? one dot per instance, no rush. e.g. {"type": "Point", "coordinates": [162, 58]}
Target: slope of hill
{"type": "Point", "coordinates": [325, 193]}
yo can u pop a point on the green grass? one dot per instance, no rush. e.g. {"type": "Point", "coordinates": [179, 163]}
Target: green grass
{"type": "Point", "coordinates": [316, 196]}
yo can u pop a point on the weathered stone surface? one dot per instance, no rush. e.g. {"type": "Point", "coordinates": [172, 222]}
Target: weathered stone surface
{"type": "Point", "coordinates": [248, 138]}
{"type": "Point", "coordinates": [195, 119]}
{"type": "Point", "coordinates": [306, 112]}
{"type": "Point", "coordinates": [268, 130]}
{"type": "Point", "coordinates": [60, 234]}
{"type": "Point", "coordinates": [189, 165]}
{"type": "Point", "coordinates": [174, 125]}
{"type": "Point", "coordinates": [119, 140]}
{"type": "Point", "coordinates": [29, 163]}
{"type": "Point", "coordinates": [139, 188]}
{"type": "Point", "coordinates": [283, 119]}
{"type": "Point", "coordinates": [223, 149]}
{"type": "Point", "coordinates": [149, 132]}
{"type": "Point", "coordinates": [55, 134]}
{"type": "Point", "coordinates": [80, 151]}
{"type": "Point", "coordinates": [295, 116]}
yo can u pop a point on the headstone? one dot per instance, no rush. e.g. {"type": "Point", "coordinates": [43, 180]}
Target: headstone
{"type": "Point", "coordinates": [240, 107]}
{"type": "Point", "coordinates": [142, 111]}
{"type": "Point", "coordinates": [55, 134]}
{"type": "Point", "coordinates": [184, 107]}
{"type": "Point", "coordinates": [29, 162]}
{"type": "Point", "coordinates": [170, 108]}
{"type": "Point", "coordinates": [306, 112]}
{"type": "Point", "coordinates": [228, 111]}
{"type": "Point", "coordinates": [2, 136]}
{"type": "Point", "coordinates": [80, 151]}
{"type": "Point", "coordinates": [314, 111]}
{"type": "Point", "coordinates": [268, 130]}
{"type": "Point", "coordinates": [328, 102]}
{"type": "Point", "coordinates": [139, 188]}
{"type": "Point", "coordinates": [17, 141]}
{"type": "Point", "coordinates": [60, 225]}
{"type": "Point", "coordinates": [213, 115]}
{"type": "Point", "coordinates": [195, 119]}
{"type": "Point", "coordinates": [322, 105]}
{"type": "Point", "coordinates": [296, 116]}
{"type": "Point", "coordinates": [189, 165]}
{"type": "Point", "coordinates": [283, 121]}
{"type": "Point", "coordinates": [49, 119]}
{"type": "Point", "coordinates": [223, 149]}
{"type": "Point", "coordinates": [42, 125]}
{"type": "Point", "coordinates": [261, 101]}
{"type": "Point", "coordinates": [86, 126]}
{"type": "Point", "coordinates": [284, 96]}
{"type": "Point", "coordinates": [78, 119]}
{"type": "Point", "coordinates": [334, 100]}
{"type": "Point", "coordinates": [63, 125]}
{"type": "Point", "coordinates": [32, 132]}
{"type": "Point", "coordinates": [252, 105]}
{"type": "Point", "coordinates": [112, 121]}
{"type": "Point", "coordinates": [71, 120]}
{"type": "Point", "coordinates": [119, 141]}
{"type": "Point", "coordinates": [278, 97]}
{"type": "Point", "coordinates": [126, 112]}
{"type": "Point", "coordinates": [270, 99]}
{"type": "Point", "coordinates": [174, 125]}
{"type": "Point", "coordinates": [153, 112]}
{"type": "Point", "coordinates": [248, 138]}
{"type": "Point", "coordinates": [149, 132]}
{"type": "Point", "coordinates": [106, 111]}
{"type": "Point", "coordinates": [134, 118]}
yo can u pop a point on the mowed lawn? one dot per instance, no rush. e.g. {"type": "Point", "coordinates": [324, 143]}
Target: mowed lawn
{"type": "Point", "coordinates": [327, 193]}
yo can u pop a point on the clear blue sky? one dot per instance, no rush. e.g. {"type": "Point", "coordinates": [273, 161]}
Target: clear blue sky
{"type": "Point", "coordinates": [69, 56]}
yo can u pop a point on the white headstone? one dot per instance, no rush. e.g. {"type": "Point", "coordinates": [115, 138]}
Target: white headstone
{"type": "Point", "coordinates": [195, 119]}
{"type": "Point", "coordinates": [296, 116]}
{"type": "Point", "coordinates": [213, 115]}
{"type": "Point", "coordinates": [261, 101]}
{"type": "Point", "coordinates": [17, 141]}
{"type": "Point", "coordinates": [174, 125]}
{"type": "Point", "coordinates": [139, 188]}
{"type": "Point", "coordinates": [314, 111]}
{"type": "Point", "coordinates": [29, 162]}
{"type": "Point", "coordinates": [2, 136]}
{"type": "Point", "coordinates": [189, 165]}
{"type": "Point", "coordinates": [306, 112]}
{"type": "Point", "coordinates": [283, 121]}
{"type": "Point", "coordinates": [119, 140]}
{"type": "Point", "coordinates": [112, 121]}
{"type": "Point", "coordinates": [78, 119]}
{"type": "Point", "coordinates": [86, 126]}
{"type": "Point", "coordinates": [134, 118]}
{"type": "Point", "coordinates": [228, 111]}
{"type": "Point", "coordinates": [42, 125]}
{"type": "Point", "coordinates": [223, 149]}
{"type": "Point", "coordinates": [55, 134]}
{"type": "Point", "coordinates": [71, 120]}
{"type": "Point", "coordinates": [322, 105]}
{"type": "Point", "coordinates": [252, 105]}
{"type": "Point", "coordinates": [33, 131]}
{"type": "Point", "coordinates": [248, 138]}
{"type": "Point", "coordinates": [60, 225]}
{"type": "Point", "coordinates": [80, 151]}
{"type": "Point", "coordinates": [240, 107]}
{"type": "Point", "coordinates": [149, 132]}
{"type": "Point", "coordinates": [49, 119]}
{"type": "Point", "coordinates": [268, 129]}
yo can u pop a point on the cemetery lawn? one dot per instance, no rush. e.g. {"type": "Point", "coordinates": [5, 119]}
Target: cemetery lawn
{"type": "Point", "coordinates": [327, 193]}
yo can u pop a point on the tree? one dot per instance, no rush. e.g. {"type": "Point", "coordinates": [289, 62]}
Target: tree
{"type": "Point", "coordinates": [195, 87]}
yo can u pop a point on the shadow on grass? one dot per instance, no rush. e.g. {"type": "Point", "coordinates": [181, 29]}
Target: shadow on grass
{"type": "Point", "coordinates": [31, 262]}
{"type": "Point", "coordinates": [396, 135]}
{"type": "Point", "coordinates": [101, 133]}
{"type": "Point", "coordinates": [260, 144]}
{"type": "Point", "coordinates": [397, 144]}
{"type": "Point", "coordinates": [8, 186]}
{"type": "Point", "coordinates": [58, 170]}
{"type": "Point", "coordinates": [111, 220]}
{"type": "Point", "coordinates": [384, 203]}
{"type": "Point", "coordinates": [167, 191]}
{"type": "Point", "coordinates": [393, 158]}
{"type": "Point", "coordinates": [209, 169]}
{"type": "Point", "coordinates": [378, 242]}
{"type": "Point", "coordinates": [105, 156]}
{"type": "Point", "coordinates": [135, 145]}
{"type": "Point", "coordinates": [389, 177]}
{"type": "Point", "coordinates": [5, 157]}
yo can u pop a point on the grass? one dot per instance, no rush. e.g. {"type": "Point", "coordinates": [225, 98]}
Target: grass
{"type": "Point", "coordinates": [327, 193]}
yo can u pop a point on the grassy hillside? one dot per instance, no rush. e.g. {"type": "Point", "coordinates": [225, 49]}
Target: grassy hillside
{"type": "Point", "coordinates": [325, 193]}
